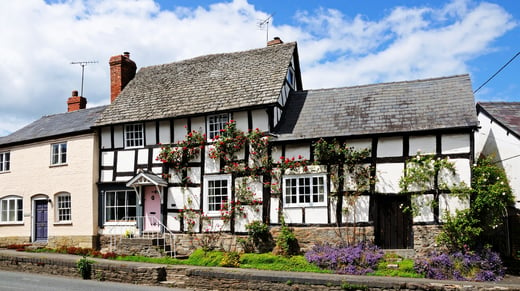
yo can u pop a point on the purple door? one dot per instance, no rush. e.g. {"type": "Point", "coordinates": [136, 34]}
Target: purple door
{"type": "Point", "coordinates": [152, 209]}
{"type": "Point", "coordinates": [40, 221]}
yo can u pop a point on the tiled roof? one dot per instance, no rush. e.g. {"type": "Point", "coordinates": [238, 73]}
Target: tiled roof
{"type": "Point", "coordinates": [380, 108]}
{"type": "Point", "coordinates": [204, 84]}
{"type": "Point", "coordinates": [505, 113]}
{"type": "Point", "coordinates": [55, 125]}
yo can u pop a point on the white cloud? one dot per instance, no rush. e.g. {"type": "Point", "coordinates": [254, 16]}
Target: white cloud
{"type": "Point", "coordinates": [40, 39]}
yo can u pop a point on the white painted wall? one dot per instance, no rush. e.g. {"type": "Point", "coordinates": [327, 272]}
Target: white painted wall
{"type": "Point", "coordinates": [390, 146]}
{"type": "Point", "coordinates": [423, 144]}
{"type": "Point", "coordinates": [492, 139]}
{"type": "Point", "coordinates": [356, 209]}
{"type": "Point", "coordinates": [455, 143]}
{"type": "Point", "coordinates": [32, 175]}
{"type": "Point", "coordinates": [387, 177]}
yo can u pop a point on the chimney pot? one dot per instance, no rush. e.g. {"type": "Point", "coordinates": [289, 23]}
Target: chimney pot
{"type": "Point", "coordinates": [76, 102]}
{"type": "Point", "coordinates": [275, 41]}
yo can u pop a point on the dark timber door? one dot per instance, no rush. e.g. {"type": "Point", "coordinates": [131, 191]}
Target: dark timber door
{"type": "Point", "coordinates": [40, 221]}
{"type": "Point", "coordinates": [393, 227]}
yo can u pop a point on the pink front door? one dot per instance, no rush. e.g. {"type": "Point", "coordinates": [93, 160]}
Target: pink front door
{"type": "Point", "coordinates": [152, 209]}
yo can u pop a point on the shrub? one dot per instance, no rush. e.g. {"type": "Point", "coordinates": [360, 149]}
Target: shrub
{"type": "Point", "coordinates": [358, 259]}
{"type": "Point", "coordinates": [230, 259]}
{"type": "Point", "coordinates": [85, 267]}
{"type": "Point", "coordinates": [259, 238]}
{"type": "Point", "coordinates": [462, 266]}
{"type": "Point", "coordinates": [286, 242]}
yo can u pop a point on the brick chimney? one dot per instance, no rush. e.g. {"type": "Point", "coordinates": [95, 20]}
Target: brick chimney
{"type": "Point", "coordinates": [275, 41]}
{"type": "Point", "coordinates": [76, 102]}
{"type": "Point", "coordinates": [122, 70]}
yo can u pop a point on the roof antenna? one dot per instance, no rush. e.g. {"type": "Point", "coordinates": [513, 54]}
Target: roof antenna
{"type": "Point", "coordinates": [265, 23]}
{"type": "Point", "coordinates": [83, 64]}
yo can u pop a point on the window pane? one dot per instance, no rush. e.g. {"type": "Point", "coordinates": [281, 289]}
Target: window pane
{"type": "Point", "coordinates": [19, 208]}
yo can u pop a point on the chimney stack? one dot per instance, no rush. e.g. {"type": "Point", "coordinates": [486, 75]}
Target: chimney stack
{"type": "Point", "coordinates": [76, 102]}
{"type": "Point", "coordinates": [122, 71]}
{"type": "Point", "coordinates": [275, 41]}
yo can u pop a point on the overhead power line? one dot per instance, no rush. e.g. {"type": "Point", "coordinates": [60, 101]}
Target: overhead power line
{"type": "Point", "coordinates": [518, 53]}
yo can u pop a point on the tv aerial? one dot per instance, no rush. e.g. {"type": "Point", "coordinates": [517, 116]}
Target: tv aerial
{"type": "Point", "coordinates": [83, 64]}
{"type": "Point", "coordinates": [265, 23]}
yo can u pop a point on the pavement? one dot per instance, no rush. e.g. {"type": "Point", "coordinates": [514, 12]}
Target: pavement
{"type": "Point", "coordinates": [508, 283]}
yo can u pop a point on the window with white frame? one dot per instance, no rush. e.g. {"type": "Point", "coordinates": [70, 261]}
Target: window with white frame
{"type": "Point", "coordinates": [59, 153]}
{"type": "Point", "coordinates": [5, 160]}
{"type": "Point", "coordinates": [218, 193]}
{"type": "Point", "coordinates": [120, 205]}
{"type": "Point", "coordinates": [216, 123]}
{"type": "Point", "coordinates": [11, 209]}
{"type": "Point", "coordinates": [63, 207]}
{"type": "Point", "coordinates": [305, 190]}
{"type": "Point", "coordinates": [134, 135]}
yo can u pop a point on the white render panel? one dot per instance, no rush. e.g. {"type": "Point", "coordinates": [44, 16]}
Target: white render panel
{"type": "Point", "coordinates": [125, 161]}
{"type": "Point", "coordinates": [387, 177]}
{"type": "Point", "coordinates": [155, 153]}
{"type": "Point", "coordinates": [198, 124]}
{"type": "Point", "coordinates": [107, 159]}
{"type": "Point", "coordinates": [118, 136]}
{"type": "Point", "coordinates": [256, 187]}
{"type": "Point", "coordinates": [277, 115]}
{"type": "Point", "coordinates": [150, 133]}
{"type": "Point", "coordinates": [295, 150]}
{"type": "Point", "coordinates": [107, 175]}
{"type": "Point", "coordinates": [106, 138]}
{"type": "Point", "coordinates": [179, 129]}
{"type": "Point", "coordinates": [194, 174]}
{"type": "Point", "coordinates": [424, 207]}
{"type": "Point", "coordinates": [164, 132]}
{"type": "Point", "coordinates": [450, 203]}
{"type": "Point", "coordinates": [157, 170]}
{"type": "Point", "coordinates": [356, 209]}
{"type": "Point", "coordinates": [214, 224]}
{"type": "Point", "coordinates": [251, 213]}
{"type": "Point", "coordinates": [455, 143]}
{"type": "Point", "coordinates": [175, 176]}
{"type": "Point", "coordinates": [359, 144]}
{"type": "Point", "coordinates": [183, 197]}
{"type": "Point", "coordinates": [273, 210]}
{"type": "Point", "coordinates": [123, 178]}
{"type": "Point", "coordinates": [293, 215]}
{"type": "Point", "coordinates": [350, 181]}
{"type": "Point", "coordinates": [260, 119]}
{"type": "Point", "coordinates": [142, 157]}
{"type": "Point", "coordinates": [423, 144]}
{"type": "Point", "coordinates": [241, 120]}
{"type": "Point", "coordinates": [316, 215]}
{"type": "Point", "coordinates": [210, 165]}
{"type": "Point", "coordinates": [276, 153]}
{"type": "Point", "coordinates": [463, 174]}
{"type": "Point", "coordinates": [173, 221]}
{"type": "Point", "coordinates": [333, 206]}
{"type": "Point", "coordinates": [390, 147]}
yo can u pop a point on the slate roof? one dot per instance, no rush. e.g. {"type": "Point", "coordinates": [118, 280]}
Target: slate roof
{"type": "Point", "coordinates": [506, 114]}
{"type": "Point", "coordinates": [55, 125]}
{"type": "Point", "coordinates": [206, 84]}
{"type": "Point", "coordinates": [408, 106]}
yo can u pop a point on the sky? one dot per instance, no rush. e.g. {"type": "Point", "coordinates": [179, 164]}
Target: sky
{"type": "Point", "coordinates": [340, 43]}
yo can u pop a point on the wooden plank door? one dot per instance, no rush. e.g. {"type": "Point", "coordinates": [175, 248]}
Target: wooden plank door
{"type": "Point", "coordinates": [40, 220]}
{"type": "Point", "coordinates": [393, 225]}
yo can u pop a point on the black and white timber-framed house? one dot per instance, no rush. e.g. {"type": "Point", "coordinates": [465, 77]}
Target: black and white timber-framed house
{"type": "Point", "coordinates": [262, 89]}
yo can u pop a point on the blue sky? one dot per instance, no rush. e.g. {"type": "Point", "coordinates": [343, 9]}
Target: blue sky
{"type": "Point", "coordinates": [341, 43]}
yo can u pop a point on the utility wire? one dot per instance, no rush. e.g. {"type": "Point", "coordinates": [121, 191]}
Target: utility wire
{"type": "Point", "coordinates": [518, 53]}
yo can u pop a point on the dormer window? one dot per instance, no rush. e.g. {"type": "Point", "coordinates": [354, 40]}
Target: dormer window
{"type": "Point", "coordinates": [134, 135]}
{"type": "Point", "coordinates": [216, 123]}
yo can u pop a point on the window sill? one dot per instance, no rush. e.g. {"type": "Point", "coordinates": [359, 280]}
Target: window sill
{"type": "Point", "coordinates": [58, 165]}
{"type": "Point", "coordinates": [11, 223]}
{"type": "Point", "coordinates": [65, 223]}
{"type": "Point", "coordinates": [305, 206]}
{"type": "Point", "coordinates": [4, 172]}
{"type": "Point", "coordinates": [120, 223]}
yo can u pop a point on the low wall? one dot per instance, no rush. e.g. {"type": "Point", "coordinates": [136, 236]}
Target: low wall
{"type": "Point", "coordinates": [206, 278]}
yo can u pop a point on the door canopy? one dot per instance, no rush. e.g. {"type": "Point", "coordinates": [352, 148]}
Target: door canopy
{"type": "Point", "coordinates": [147, 179]}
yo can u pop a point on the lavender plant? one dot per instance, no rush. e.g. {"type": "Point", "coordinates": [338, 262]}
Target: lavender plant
{"type": "Point", "coordinates": [358, 259]}
{"type": "Point", "coordinates": [462, 266]}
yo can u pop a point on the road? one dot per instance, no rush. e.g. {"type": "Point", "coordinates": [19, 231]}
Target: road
{"type": "Point", "coordinates": [17, 281]}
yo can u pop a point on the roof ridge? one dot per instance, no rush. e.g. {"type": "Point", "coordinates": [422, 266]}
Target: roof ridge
{"type": "Point", "coordinates": [75, 111]}
{"type": "Point", "coordinates": [293, 43]}
{"type": "Point", "coordinates": [390, 83]}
